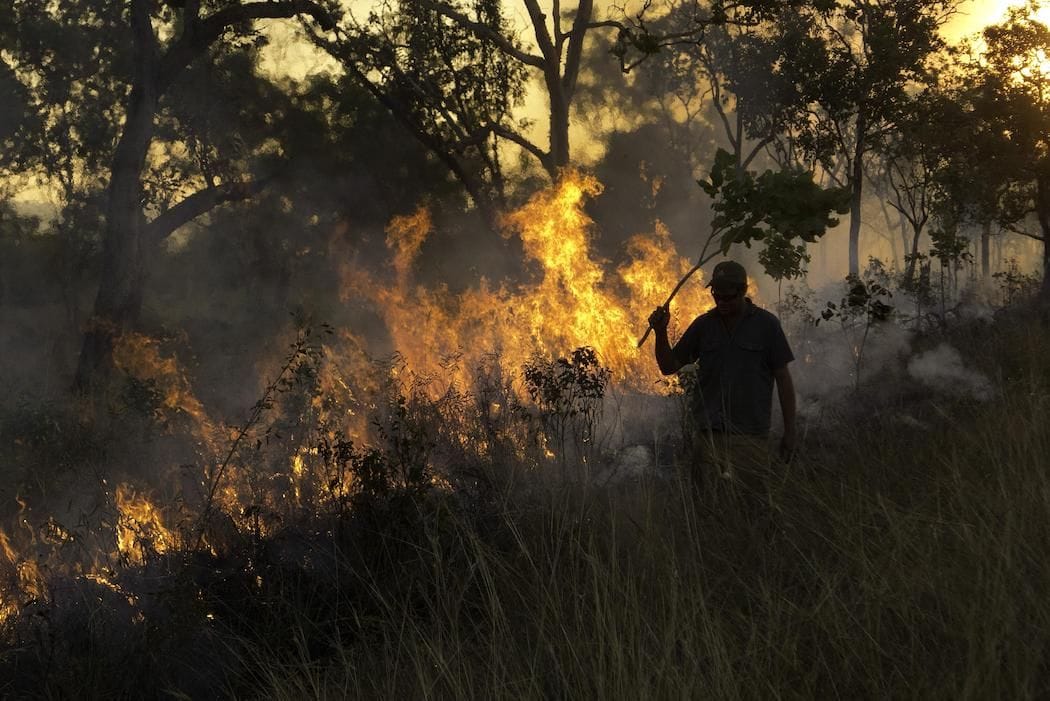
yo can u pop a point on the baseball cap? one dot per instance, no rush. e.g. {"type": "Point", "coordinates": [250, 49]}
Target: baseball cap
{"type": "Point", "coordinates": [728, 273]}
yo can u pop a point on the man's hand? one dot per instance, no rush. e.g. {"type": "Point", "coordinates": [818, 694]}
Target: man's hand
{"type": "Point", "coordinates": [665, 357]}
{"type": "Point", "coordinates": [659, 319]}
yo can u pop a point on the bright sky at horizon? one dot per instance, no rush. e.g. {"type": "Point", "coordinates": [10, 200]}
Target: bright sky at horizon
{"type": "Point", "coordinates": [295, 58]}
{"type": "Point", "coordinates": [974, 15]}
{"type": "Point", "coordinates": [290, 55]}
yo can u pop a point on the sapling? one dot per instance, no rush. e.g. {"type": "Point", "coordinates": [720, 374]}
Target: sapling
{"type": "Point", "coordinates": [1015, 285]}
{"type": "Point", "coordinates": [918, 286]}
{"type": "Point", "coordinates": [863, 307]}
{"type": "Point", "coordinates": [299, 366]}
{"type": "Point", "coordinates": [569, 393]}
{"type": "Point", "coordinates": [952, 251]}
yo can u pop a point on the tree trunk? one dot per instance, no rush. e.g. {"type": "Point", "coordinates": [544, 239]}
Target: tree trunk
{"type": "Point", "coordinates": [986, 262]}
{"type": "Point", "coordinates": [856, 185]}
{"type": "Point", "coordinates": [913, 256]}
{"type": "Point", "coordinates": [1044, 288]}
{"type": "Point", "coordinates": [119, 298]}
{"type": "Point", "coordinates": [559, 125]}
{"type": "Point", "coordinates": [124, 247]}
{"type": "Point", "coordinates": [902, 225]}
{"type": "Point", "coordinates": [1042, 213]}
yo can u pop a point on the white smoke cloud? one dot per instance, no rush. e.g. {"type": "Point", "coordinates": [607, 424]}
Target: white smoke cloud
{"type": "Point", "coordinates": [942, 370]}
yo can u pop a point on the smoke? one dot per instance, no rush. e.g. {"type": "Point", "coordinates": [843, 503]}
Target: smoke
{"type": "Point", "coordinates": [942, 370]}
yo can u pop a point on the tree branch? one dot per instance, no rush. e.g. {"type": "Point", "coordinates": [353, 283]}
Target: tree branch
{"type": "Point", "coordinates": [576, 36]}
{"type": "Point", "coordinates": [197, 204]}
{"type": "Point", "coordinates": [198, 35]}
{"type": "Point", "coordinates": [516, 138]}
{"type": "Point", "coordinates": [543, 37]}
{"type": "Point", "coordinates": [1013, 229]}
{"type": "Point", "coordinates": [758, 148]}
{"type": "Point", "coordinates": [485, 32]}
{"type": "Point", "coordinates": [402, 113]}
{"type": "Point", "coordinates": [145, 39]}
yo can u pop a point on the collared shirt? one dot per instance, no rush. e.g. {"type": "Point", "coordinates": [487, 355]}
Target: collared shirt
{"type": "Point", "coordinates": [734, 387]}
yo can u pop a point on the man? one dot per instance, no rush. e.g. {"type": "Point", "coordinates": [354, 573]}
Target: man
{"type": "Point", "coordinates": [740, 352]}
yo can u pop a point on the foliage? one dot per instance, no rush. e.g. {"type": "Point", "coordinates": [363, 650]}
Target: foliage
{"type": "Point", "coordinates": [775, 207]}
{"type": "Point", "coordinates": [863, 308]}
{"type": "Point", "coordinates": [366, 480]}
{"type": "Point", "coordinates": [950, 248]}
{"type": "Point", "coordinates": [735, 75]}
{"type": "Point", "coordinates": [864, 301]}
{"type": "Point", "coordinates": [69, 73]}
{"type": "Point", "coordinates": [855, 65]}
{"type": "Point", "coordinates": [451, 87]}
{"type": "Point", "coordinates": [781, 260]}
{"type": "Point", "coordinates": [1014, 284]}
{"type": "Point", "coordinates": [568, 393]}
{"type": "Point", "coordinates": [1003, 90]}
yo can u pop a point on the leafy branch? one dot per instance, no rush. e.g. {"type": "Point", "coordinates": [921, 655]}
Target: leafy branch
{"type": "Point", "coordinates": [305, 352]}
{"type": "Point", "coordinates": [776, 208]}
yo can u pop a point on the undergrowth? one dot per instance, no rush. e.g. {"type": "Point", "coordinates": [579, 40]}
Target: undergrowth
{"type": "Point", "coordinates": [902, 554]}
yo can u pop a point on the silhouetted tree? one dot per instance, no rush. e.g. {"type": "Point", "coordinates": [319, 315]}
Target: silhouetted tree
{"type": "Point", "coordinates": [855, 64]}
{"type": "Point", "coordinates": [1003, 95]}
{"type": "Point", "coordinates": [451, 89]}
{"type": "Point", "coordinates": [140, 50]}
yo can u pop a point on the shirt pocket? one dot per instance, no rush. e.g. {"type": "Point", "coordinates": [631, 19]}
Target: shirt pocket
{"type": "Point", "coordinates": [710, 356]}
{"type": "Point", "coordinates": [752, 355]}
{"type": "Point", "coordinates": [750, 346]}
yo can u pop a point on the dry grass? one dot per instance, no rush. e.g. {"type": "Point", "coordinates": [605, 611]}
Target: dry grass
{"type": "Point", "coordinates": [894, 561]}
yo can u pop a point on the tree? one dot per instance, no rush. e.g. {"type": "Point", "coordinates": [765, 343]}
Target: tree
{"type": "Point", "coordinates": [911, 163]}
{"type": "Point", "coordinates": [1005, 92]}
{"type": "Point", "coordinates": [451, 70]}
{"type": "Point", "coordinates": [64, 75]}
{"type": "Point", "coordinates": [376, 52]}
{"type": "Point", "coordinates": [754, 100]}
{"type": "Point", "coordinates": [855, 63]}
{"type": "Point", "coordinates": [162, 42]}
{"type": "Point", "coordinates": [451, 89]}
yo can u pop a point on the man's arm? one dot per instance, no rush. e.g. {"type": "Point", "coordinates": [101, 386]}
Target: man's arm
{"type": "Point", "coordinates": [786, 393]}
{"type": "Point", "coordinates": [665, 355]}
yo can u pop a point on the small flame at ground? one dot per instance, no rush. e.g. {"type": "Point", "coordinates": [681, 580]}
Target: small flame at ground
{"type": "Point", "coordinates": [140, 528]}
{"type": "Point", "coordinates": [140, 357]}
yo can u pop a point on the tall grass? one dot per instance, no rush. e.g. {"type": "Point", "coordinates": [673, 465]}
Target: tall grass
{"type": "Point", "coordinates": [893, 559]}
{"type": "Point", "coordinates": [903, 554]}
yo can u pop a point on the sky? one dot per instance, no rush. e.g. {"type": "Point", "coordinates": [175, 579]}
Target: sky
{"type": "Point", "coordinates": [296, 58]}
{"type": "Point", "coordinates": [290, 55]}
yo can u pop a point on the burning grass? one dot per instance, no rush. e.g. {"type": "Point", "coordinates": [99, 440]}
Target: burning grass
{"type": "Point", "coordinates": [891, 561]}
{"type": "Point", "coordinates": [449, 556]}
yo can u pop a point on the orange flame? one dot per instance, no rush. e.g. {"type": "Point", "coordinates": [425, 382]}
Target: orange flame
{"type": "Point", "coordinates": [575, 302]}
{"type": "Point", "coordinates": [20, 579]}
{"type": "Point", "coordinates": [140, 528]}
{"type": "Point", "coordinates": [140, 357]}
